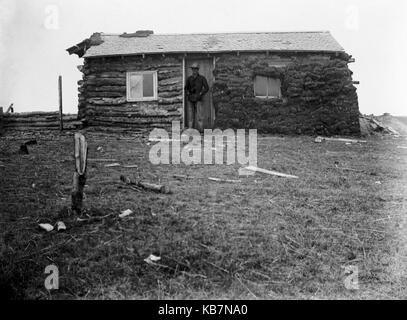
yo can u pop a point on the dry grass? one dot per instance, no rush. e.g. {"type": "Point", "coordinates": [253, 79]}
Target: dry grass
{"type": "Point", "coordinates": [263, 238]}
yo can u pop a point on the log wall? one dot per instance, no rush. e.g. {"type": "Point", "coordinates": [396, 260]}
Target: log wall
{"type": "Point", "coordinates": [318, 95]}
{"type": "Point", "coordinates": [102, 92]}
{"type": "Point", "coordinates": [38, 121]}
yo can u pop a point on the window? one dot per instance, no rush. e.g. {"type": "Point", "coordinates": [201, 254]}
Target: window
{"type": "Point", "coordinates": [267, 87]}
{"type": "Point", "coordinates": [142, 86]}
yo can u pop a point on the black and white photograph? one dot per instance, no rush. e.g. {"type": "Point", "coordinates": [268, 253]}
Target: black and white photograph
{"type": "Point", "coordinates": [220, 150]}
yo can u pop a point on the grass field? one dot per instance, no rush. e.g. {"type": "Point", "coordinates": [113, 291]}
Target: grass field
{"type": "Point", "coordinates": [263, 238]}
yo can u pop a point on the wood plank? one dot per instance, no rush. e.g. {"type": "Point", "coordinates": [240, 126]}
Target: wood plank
{"type": "Point", "coordinates": [319, 138]}
{"type": "Point", "coordinates": [274, 173]}
{"type": "Point", "coordinates": [61, 120]}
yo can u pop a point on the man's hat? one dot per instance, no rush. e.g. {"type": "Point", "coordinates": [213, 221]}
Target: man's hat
{"type": "Point", "coordinates": [195, 66]}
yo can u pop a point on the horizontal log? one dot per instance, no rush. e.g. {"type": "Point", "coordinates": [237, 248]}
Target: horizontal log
{"type": "Point", "coordinates": [173, 88]}
{"type": "Point", "coordinates": [170, 75]}
{"type": "Point", "coordinates": [166, 90]}
{"type": "Point", "coordinates": [135, 107]}
{"type": "Point", "coordinates": [105, 89]}
{"type": "Point", "coordinates": [107, 101]}
{"type": "Point", "coordinates": [37, 120]}
{"type": "Point", "coordinates": [170, 100]}
{"type": "Point", "coordinates": [42, 129]}
{"type": "Point", "coordinates": [117, 129]}
{"type": "Point", "coordinates": [105, 82]}
{"type": "Point", "coordinates": [32, 125]}
{"type": "Point", "coordinates": [170, 81]}
{"type": "Point", "coordinates": [112, 74]}
{"type": "Point", "coordinates": [109, 124]}
{"type": "Point", "coordinates": [138, 120]}
{"type": "Point", "coordinates": [31, 114]}
{"type": "Point", "coordinates": [129, 66]}
{"type": "Point", "coordinates": [170, 94]}
{"type": "Point", "coordinates": [104, 94]}
{"type": "Point", "coordinates": [131, 115]}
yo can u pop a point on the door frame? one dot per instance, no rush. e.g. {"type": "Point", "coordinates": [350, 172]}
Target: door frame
{"type": "Point", "coordinates": [184, 102]}
{"type": "Point", "coordinates": [183, 93]}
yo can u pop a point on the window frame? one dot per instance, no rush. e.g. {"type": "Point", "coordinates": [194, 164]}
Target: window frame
{"type": "Point", "coordinates": [142, 73]}
{"type": "Point", "coordinates": [267, 88]}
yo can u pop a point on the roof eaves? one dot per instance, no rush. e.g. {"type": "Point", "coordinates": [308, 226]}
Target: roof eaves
{"type": "Point", "coordinates": [221, 33]}
{"type": "Point", "coordinates": [87, 55]}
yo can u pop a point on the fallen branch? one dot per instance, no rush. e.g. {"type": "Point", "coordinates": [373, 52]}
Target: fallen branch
{"type": "Point", "coordinates": [112, 165]}
{"type": "Point", "coordinates": [102, 160]}
{"type": "Point", "coordinates": [182, 176]}
{"type": "Point", "coordinates": [194, 275]}
{"type": "Point", "coordinates": [130, 166]}
{"type": "Point", "coordinates": [94, 218]}
{"type": "Point", "coordinates": [274, 173]}
{"type": "Point", "coordinates": [237, 277]}
{"type": "Point", "coordinates": [223, 180]}
{"type": "Point", "coordinates": [217, 267]}
{"type": "Point", "coordinates": [320, 139]}
{"type": "Point", "coordinates": [43, 251]}
{"type": "Point", "coordinates": [347, 169]}
{"type": "Point", "coordinates": [146, 185]}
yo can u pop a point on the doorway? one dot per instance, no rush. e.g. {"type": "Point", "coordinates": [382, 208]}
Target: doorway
{"type": "Point", "coordinates": [207, 111]}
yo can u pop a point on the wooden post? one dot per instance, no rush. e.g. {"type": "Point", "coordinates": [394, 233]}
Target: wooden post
{"type": "Point", "coordinates": [61, 123]}
{"type": "Point", "coordinates": [1, 120]}
{"type": "Point", "coordinates": [79, 177]}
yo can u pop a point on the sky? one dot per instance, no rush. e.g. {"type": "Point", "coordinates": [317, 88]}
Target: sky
{"type": "Point", "coordinates": [34, 35]}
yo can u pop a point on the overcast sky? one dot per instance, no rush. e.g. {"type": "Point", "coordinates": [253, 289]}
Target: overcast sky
{"type": "Point", "coordinates": [35, 33]}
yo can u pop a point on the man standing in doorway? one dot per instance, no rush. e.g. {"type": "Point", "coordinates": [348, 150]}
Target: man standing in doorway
{"type": "Point", "coordinates": [195, 88]}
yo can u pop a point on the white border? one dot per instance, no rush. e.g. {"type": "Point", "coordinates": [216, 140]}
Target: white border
{"type": "Point", "coordinates": [155, 86]}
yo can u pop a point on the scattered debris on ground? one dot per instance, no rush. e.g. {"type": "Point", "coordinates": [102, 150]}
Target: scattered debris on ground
{"type": "Point", "coordinates": [46, 226]}
{"type": "Point", "coordinates": [125, 213]}
{"type": "Point", "coordinates": [244, 171]}
{"type": "Point", "coordinates": [146, 185]}
{"type": "Point", "coordinates": [151, 259]}
{"type": "Point", "coordinates": [182, 177]}
{"type": "Point", "coordinates": [283, 238]}
{"type": "Point", "coordinates": [320, 139]}
{"type": "Point", "coordinates": [101, 160]}
{"type": "Point", "coordinates": [374, 125]}
{"type": "Point", "coordinates": [112, 165]}
{"type": "Point", "coordinates": [61, 226]}
{"type": "Point", "coordinates": [224, 180]}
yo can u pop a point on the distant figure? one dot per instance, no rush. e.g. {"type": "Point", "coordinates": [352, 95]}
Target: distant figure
{"type": "Point", "coordinates": [10, 109]}
{"type": "Point", "coordinates": [195, 88]}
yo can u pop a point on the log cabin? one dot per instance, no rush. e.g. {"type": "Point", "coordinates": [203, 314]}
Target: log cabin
{"type": "Point", "coordinates": [275, 82]}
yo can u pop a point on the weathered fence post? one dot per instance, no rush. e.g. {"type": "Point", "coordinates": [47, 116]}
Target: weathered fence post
{"type": "Point", "coordinates": [61, 121]}
{"type": "Point", "coordinates": [1, 120]}
{"type": "Point", "coordinates": [79, 177]}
